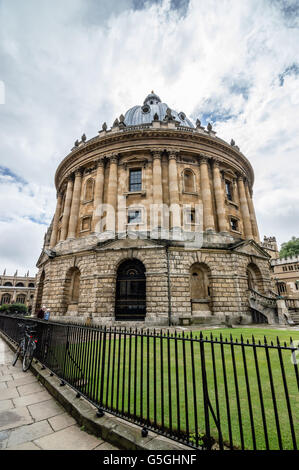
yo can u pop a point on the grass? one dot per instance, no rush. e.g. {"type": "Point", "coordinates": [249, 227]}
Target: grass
{"type": "Point", "coordinates": [167, 388]}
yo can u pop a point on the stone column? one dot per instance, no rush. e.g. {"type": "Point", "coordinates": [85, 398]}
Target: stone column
{"type": "Point", "coordinates": [157, 181]}
{"type": "Point", "coordinates": [112, 195]}
{"type": "Point", "coordinates": [219, 197]}
{"type": "Point", "coordinates": [255, 230]}
{"type": "Point", "coordinates": [208, 216]}
{"type": "Point", "coordinates": [74, 214]}
{"type": "Point", "coordinates": [53, 239]}
{"type": "Point", "coordinates": [67, 208]}
{"type": "Point", "coordinates": [244, 209]}
{"type": "Point", "coordinates": [174, 199]}
{"type": "Point", "coordinates": [98, 195]}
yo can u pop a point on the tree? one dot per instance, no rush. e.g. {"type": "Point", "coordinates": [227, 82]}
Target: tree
{"type": "Point", "coordinates": [289, 248]}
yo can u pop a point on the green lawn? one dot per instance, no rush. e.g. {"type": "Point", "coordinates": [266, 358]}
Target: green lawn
{"type": "Point", "coordinates": [169, 378]}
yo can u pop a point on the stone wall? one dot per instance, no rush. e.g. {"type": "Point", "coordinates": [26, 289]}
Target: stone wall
{"type": "Point", "coordinates": [227, 282]}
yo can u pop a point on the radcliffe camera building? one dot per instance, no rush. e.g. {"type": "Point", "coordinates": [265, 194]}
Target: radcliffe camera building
{"type": "Point", "coordinates": [155, 223]}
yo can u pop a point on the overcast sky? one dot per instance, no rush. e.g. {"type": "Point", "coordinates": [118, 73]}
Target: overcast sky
{"type": "Point", "coordinates": [66, 66]}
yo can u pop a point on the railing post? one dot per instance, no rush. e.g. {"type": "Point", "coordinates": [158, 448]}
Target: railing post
{"type": "Point", "coordinates": [62, 383]}
{"type": "Point", "coordinates": [207, 438]}
{"type": "Point", "coordinates": [100, 411]}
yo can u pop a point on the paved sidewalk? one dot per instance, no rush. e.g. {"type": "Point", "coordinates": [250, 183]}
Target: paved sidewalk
{"type": "Point", "coordinates": [30, 419]}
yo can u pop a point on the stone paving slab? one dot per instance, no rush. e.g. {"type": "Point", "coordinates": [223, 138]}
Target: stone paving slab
{"type": "Point", "coordinates": [46, 409]}
{"type": "Point", "coordinates": [28, 389]}
{"type": "Point", "coordinates": [38, 397]}
{"type": "Point", "coordinates": [6, 405]}
{"type": "Point", "coordinates": [15, 417]}
{"type": "Point", "coordinates": [29, 433]}
{"type": "Point", "coordinates": [70, 438]}
{"type": "Point", "coordinates": [61, 421]}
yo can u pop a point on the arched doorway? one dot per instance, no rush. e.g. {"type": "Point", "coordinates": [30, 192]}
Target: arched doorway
{"type": "Point", "coordinates": [130, 298]}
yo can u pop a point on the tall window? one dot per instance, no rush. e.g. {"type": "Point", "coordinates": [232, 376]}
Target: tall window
{"type": "Point", "coordinates": [135, 183]}
{"type": "Point", "coordinates": [228, 190]}
{"type": "Point", "coordinates": [189, 185]}
{"type": "Point", "coordinates": [89, 190]}
{"type": "Point", "coordinates": [5, 299]}
{"type": "Point", "coordinates": [234, 224]}
{"type": "Point", "coordinates": [282, 288]}
{"type": "Point", "coordinates": [21, 299]}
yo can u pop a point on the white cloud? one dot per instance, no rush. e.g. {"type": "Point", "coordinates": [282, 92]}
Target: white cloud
{"type": "Point", "coordinates": [69, 66]}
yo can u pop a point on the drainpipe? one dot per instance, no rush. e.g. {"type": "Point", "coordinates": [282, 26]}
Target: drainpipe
{"type": "Point", "coordinates": [169, 289]}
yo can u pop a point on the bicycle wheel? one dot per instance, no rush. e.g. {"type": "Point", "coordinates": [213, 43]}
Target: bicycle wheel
{"type": "Point", "coordinates": [28, 356]}
{"type": "Point", "coordinates": [18, 352]}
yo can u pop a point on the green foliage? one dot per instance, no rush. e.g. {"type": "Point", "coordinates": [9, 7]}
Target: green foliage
{"type": "Point", "coordinates": [289, 248]}
{"type": "Point", "coordinates": [14, 308]}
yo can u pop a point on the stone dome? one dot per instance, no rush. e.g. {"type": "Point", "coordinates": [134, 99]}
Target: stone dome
{"type": "Point", "coordinates": [152, 106]}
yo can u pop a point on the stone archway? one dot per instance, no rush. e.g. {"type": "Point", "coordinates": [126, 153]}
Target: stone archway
{"type": "Point", "coordinates": [130, 296]}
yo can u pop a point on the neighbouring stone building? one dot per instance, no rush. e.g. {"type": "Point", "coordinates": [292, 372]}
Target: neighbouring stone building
{"type": "Point", "coordinates": [155, 225]}
{"type": "Point", "coordinates": [17, 289]}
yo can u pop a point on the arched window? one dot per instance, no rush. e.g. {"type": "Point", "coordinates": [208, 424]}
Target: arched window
{"type": "Point", "coordinates": [20, 299]}
{"type": "Point", "coordinates": [130, 299]}
{"type": "Point", "coordinates": [5, 299]}
{"type": "Point", "coordinates": [189, 181]}
{"type": "Point", "coordinates": [88, 195]}
{"type": "Point", "coordinates": [30, 284]}
{"type": "Point", "coordinates": [20, 284]}
{"type": "Point", "coordinates": [8, 284]}
{"type": "Point", "coordinates": [254, 278]}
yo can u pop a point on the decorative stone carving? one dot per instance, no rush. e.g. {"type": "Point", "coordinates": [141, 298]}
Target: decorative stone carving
{"type": "Point", "coordinates": [83, 138]}
{"type": "Point", "coordinates": [232, 142]}
{"type": "Point", "coordinates": [104, 126]}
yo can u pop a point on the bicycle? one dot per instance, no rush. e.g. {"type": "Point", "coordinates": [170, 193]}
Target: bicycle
{"type": "Point", "coordinates": [26, 347]}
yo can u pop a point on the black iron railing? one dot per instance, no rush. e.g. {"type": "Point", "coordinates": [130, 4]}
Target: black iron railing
{"type": "Point", "coordinates": [202, 391]}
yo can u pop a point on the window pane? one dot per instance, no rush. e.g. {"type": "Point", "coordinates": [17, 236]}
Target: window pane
{"type": "Point", "coordinates": [228, 190]}
{"type": "Point", "coordinates": [134, 217]}
{"type": "Point", "coordinates": [135, 180]}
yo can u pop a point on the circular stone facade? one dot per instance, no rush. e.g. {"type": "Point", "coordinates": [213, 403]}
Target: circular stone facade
{"type": "Point", "coordinates": [154, 224]}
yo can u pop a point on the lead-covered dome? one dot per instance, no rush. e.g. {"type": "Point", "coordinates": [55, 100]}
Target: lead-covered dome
{"type": "Point", "coordinates": [153, 109]}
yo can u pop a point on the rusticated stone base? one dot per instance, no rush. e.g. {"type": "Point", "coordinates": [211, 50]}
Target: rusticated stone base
{"type": "Point", "coordinates": [167, 270]}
